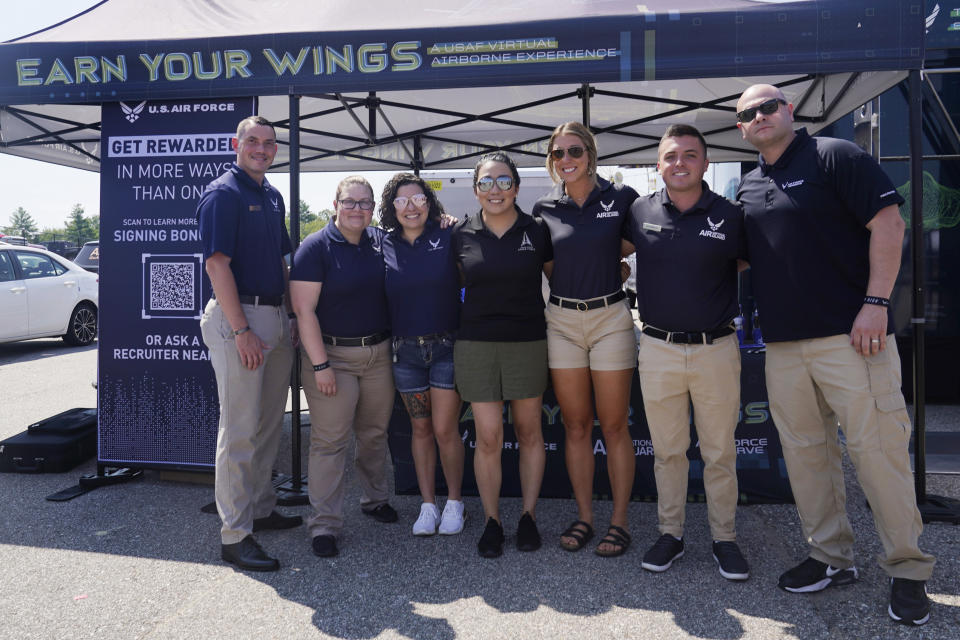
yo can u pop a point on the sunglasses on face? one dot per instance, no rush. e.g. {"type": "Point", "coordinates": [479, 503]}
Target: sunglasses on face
{"type": "Point", "coordinates": [767, 108]}
{"type": "Point", "coordinates": [504, 183]}
{"type": "Point", "coordinates": [418, 200]}
{"type": "Point", "coordinates": [350, 203]}
{"type": "Point", "coordinates": [574, 152]}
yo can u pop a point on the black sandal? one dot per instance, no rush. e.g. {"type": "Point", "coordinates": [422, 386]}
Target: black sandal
{"type": "Point", "coordinates": [580, 531]}
{"type": "Point", "coordinates": [616, 536]}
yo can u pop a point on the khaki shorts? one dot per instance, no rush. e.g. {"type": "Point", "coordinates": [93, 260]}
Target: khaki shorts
{"type": "Point", "coordinates": [602, 339]}
{"type": "Point", "coordinates": [495, 371]}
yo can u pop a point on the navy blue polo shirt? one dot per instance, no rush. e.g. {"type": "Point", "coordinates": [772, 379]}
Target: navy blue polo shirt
{"type": "Point", "coordinates": [353, 301]}
{"type": "Point", "coordinates": [503, 301]}
{"type": "Point", "coordinates": [423, 286]}
{"type": "Point", "coordinates": [245, 222]}
{"type": "Point", "coordinates": [687, 261]}
{"type": "Point", "coordinates": [586, 240]}
{"type": "Point", "coordinates": [807, 241]}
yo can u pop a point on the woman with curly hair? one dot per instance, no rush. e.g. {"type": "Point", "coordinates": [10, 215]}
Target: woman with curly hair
{"type": "Point", "coordinates": [423, 297]}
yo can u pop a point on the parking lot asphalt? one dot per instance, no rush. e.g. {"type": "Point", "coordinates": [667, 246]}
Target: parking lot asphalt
{"type": "Point", "coordinates": [141, 560]}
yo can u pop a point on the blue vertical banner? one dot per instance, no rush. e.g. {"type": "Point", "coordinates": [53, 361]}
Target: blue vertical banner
{"type": "Point", "coordinates": [157, 394]}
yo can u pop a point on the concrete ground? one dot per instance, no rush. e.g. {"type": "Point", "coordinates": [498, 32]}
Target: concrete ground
{"type": "Point", "coordinates": [142, 561]}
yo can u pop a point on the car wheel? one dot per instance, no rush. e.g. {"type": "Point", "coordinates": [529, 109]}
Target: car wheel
{"type": "Point", "coordinates": [83, 325]}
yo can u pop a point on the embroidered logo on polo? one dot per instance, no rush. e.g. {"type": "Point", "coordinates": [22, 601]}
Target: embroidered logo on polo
{"type": "Point", "coordinates": [525, 244]}
{"type": "Point", "coordinates": [714, 231]}
{"type": "Point", "coordinates": [276, 204]}
{"type": "Point", "coordinates": [788, 185]}
{"type": "Point", "coordinates": [434, 245]}
{"type": "Point", "coordinates": [607, 213]}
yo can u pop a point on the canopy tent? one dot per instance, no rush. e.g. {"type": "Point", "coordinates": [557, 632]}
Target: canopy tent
{"type": "Point", "coordinates": [431, 86]}
{"type": "Point", "coordinates": [380, 85]}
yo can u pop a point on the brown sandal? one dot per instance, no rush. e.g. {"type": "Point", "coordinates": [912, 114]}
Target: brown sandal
{"type": "Point", "coordinates": [580, 531]}
{"type": "Point", "coordinates": [616, 536]}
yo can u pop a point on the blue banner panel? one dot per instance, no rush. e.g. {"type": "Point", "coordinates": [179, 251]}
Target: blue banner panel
{"type": "Point", "coordinates": [742, 40]}
{"type": "Point", "coordinates": [157, 394]}
{"type": "Point", "coordinates": [761, 471]}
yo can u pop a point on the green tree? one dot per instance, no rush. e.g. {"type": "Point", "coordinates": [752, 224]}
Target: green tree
{"type": "Point", "coordinates": [320, 220]}
{"type": "Point", "coordinates": [79, 227]}
{"type": "Point", "coordinates": [21, 224]}
{"type": "Point", "coordinates": [310, 221]}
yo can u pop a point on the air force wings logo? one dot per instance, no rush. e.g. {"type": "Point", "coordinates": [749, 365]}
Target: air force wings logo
{"type": "Point", "coordinates": [714, 231]}
{"type": "Point", "coordinates": [434, 245]}
{"type": "Point", "coordinates": [132, 114]}
{"type": "Point", "coordinates": [606, 210]}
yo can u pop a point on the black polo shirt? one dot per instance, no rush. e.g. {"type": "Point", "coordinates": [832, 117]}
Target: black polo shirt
{"type": "Point", "coordinates": [353, 301]}
{"type": "Point", "coordinates": [807, 239]}
{"type": "Point", "coordinates": [503, 300]}
{"type": "Point", "coordinates": [586, 240]}
{"type": "Point", "coordinates": [687, 261]}
{"type": "Point", "coordinates": [244, 221]}
{"type": "Point", "coordinates": [423, 287]}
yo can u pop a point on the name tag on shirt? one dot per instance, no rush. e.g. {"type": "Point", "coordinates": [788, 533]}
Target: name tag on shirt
{"type": "Point", "coordinates": [256, 207]}
{"type": "Point", "coordinates": [649, 226]}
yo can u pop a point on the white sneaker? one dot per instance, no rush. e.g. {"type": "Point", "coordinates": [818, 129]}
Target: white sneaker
{"type": "Point", "coordinates": [453, 517]}
{"type": "Point", "coordinates": [426, 524]}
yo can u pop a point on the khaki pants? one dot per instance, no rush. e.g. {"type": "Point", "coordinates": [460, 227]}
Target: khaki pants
{"type": "Point", "coordinates": [363, 404]}
{"type": "Point", "coordinates": [809, 381]}
{"type": "Point", "coordinates": [671, 376]}
{"type": "Point", "coordinates": [251, 415]}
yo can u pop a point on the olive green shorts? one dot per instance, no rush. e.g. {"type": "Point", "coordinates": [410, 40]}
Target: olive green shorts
{"type": "Point", "coordinates": [495, 371]}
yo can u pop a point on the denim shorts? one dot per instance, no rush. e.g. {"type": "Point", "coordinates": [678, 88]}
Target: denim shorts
{"type": "Point", "coordinates": [423, 362]}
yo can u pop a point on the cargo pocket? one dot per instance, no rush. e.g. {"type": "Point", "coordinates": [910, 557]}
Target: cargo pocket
{"type": "Point", "coordinates": [893, 422]}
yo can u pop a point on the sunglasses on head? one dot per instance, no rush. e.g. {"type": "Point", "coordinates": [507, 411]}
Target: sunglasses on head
{"type": "Point", "coordinates": [350, 203]}
{"type": "Point", "coordinates": [418, 200]}
{"type": "Point", "coordinates": [504, 183]}
{"type": "Point", "coordinates": [575, 152]}
{"type": "Point", "coordinates": [767, 108]}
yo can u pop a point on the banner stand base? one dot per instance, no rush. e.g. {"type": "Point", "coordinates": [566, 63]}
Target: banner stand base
{"type": "Point", "coordinates": [103, 477]}
{"type": "Point", "coordinates": [940, 509]}
{"type": "Point", "coordinates": [291, 492]}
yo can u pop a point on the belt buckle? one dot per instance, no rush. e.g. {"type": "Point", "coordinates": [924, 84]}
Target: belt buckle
{"type": "Point", "coordinates": [582, 306]}
{"type": "Point", "coordinates": [669, 338]}
{"type": "Point", "coordinates": [363, 341]}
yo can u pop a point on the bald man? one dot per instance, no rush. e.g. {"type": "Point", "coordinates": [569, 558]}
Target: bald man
{"type": "Point", "coordinates": [824, 238]}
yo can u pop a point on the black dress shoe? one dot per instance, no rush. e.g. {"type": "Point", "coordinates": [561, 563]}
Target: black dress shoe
{"type": "Point", "coordinates": [247, 554]}
{"type": "Point", "coordinates": [528, 538]}
{"type": "Point", "coordinates": [383, 513]}
{"type": "Point", "coordinates": [491, 542]}
{"type": "Point", "coordinates": [276, 520]}
{"type": "Point", "coordinates": [324, 546]}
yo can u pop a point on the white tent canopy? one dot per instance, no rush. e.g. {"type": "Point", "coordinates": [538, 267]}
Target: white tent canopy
{"type": "Point", "coordinates": [629, 70]}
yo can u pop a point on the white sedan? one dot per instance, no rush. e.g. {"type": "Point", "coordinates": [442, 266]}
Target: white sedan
{"type": "Point", "coordinates": [43, 295]}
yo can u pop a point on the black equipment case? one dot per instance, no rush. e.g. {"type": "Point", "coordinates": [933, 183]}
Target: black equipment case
{"type": "Point", "coordinates": [52, 445]}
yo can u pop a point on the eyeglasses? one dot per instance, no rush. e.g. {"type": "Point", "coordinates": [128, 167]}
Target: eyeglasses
{"type": "Point", "coordinates": [418, 200]}
{"type": "Point", "coordinates": [766, 108]}
{"type": "Point", "coordinates": [575, 152]}
{"type": "Point", "coordinates": [504, 183]}
{"type": "Point", "coordinates": [350, 203]}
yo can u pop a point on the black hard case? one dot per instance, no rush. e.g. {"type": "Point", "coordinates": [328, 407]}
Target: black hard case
{"type": "Point", "coordinates": [52, 445]}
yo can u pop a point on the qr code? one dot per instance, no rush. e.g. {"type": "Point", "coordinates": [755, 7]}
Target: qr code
{"type": "Point", "coordinates": [171, 286]}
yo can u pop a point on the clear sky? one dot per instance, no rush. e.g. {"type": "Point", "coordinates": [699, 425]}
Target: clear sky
{"type": "Point", "coordinates": [48, 191]}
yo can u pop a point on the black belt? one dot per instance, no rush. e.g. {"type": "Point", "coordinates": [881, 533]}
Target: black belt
{"type": "Point", "coordinates": [430, 337]}
{"type": "Point", "coordinates": [365, 341]}
{"type": "Point", "coordinates": [263, 301]}
{"type": "Point", "coordinates": [588, 305]}
{"type": "Point", "coordinates": [687, 337]}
